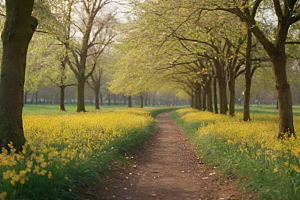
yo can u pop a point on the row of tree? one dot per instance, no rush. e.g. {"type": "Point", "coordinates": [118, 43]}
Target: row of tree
{"type": "Point", "coordinates": [200, 46]}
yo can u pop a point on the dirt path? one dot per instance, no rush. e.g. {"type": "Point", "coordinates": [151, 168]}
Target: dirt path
{"type": "Point", "coordinates": [168, 169]}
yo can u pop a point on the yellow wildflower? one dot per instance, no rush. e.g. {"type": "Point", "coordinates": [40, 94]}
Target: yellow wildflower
{"type": "Point", "coordinates": [3, 195]}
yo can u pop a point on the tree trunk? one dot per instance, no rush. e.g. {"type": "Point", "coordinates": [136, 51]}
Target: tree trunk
{"type": "Point", "coordinates": [97, 104]}
{"type": "Point", "coordinates": [284, 95]}
{"type": "Point", "coordinates": [101, 98]}
{"type": "Point", "coordinates": [193, 100]}
{"type": "Point", "coordinates": [62, 98]}
{"type": "Point", "coordinates": [80, 93]}
{"type": "Point", "coordinates": [276, 52]}
{"type": "Point", "coordinates": [142, 101]}
{"type": "Point", "coordinates": [18, 30]}
{"type": "Point", "coordinates": [129, 102]}
{"type": "Point", "coordinates": [246, 111]}
{"type": "Point", "coordinates": [231, 89]}
{"type": "Point", "coordinates": [215, 95]}
{"type": "Point", "coordinates": [36, 97]}
{"type": "Point", "coordinates": [97, 92]}
{"type": "Point", "coordinates": [197, 99]}
{"type": "Point", "coordinates": [222, 96]}
{"type": "Point", "coordinates": [209, 97]}
{"type": "Point", "coordinates": [200, 97]}
{"type": "Point", "coordinates": [203, 107]}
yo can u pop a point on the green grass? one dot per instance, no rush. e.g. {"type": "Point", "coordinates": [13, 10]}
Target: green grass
{"type": "Point", "coordinates": [49, 109]}
{"type": "Point", "coordinates": [266, 109]}
{"type": "Point", "coordinates": [32, 109]}
{"type": "Point", "coordinates": [53, 109]}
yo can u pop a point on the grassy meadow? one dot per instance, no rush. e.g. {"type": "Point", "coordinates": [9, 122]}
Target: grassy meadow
{"type": "Point", "coordinates": [250, 151]}
{"type": "Point", "coordinates": [67, 152]}
{"type": "Point", "coordinates": [48, 109]}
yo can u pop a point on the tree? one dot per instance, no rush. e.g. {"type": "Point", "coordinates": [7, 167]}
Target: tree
{"type": "Point", "coordinates": [59, 74]}
{"type": "Point", "coordinates": [96, 84]}
{"type": "Point", "coordinates": [287, 13]}
{"type": "Point", "coordinates": [96, 33]}
{"type": "Point", "coordinates": [17, 33]}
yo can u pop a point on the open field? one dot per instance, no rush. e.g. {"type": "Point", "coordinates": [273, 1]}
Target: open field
{"type": "Point", "coordinates": [32, 109]}
{"type": "Point", "coordinates": [266, 109]}
{"type": "Point", "coordinates": [53, 109]}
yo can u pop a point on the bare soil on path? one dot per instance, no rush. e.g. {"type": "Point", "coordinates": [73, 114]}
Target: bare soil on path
{"type": "Point", "coordinates": [168, 168]}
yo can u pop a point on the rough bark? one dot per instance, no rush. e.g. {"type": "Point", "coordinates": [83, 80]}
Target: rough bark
{"type": "Point", "coordinates": [215, 95]}
{"type": "Point", "coordinates": [222, 95]}
{"type": "Point", "coordinates": [62, 98]}
{"type": "Point", "coordinates": [80, 92]}
{"type": "Point", "coordinates": [96, 93]}
{"type": "Point", "coordinates": [284, 95]}
{"type": "Point", "coordinates": [246, 111]}
{"type": "Point", "coordinates": [18, 30]}
{"type": "Point", "coordinates": [231, 89]}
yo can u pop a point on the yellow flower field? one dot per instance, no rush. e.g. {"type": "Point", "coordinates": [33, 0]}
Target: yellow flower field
{"type": "Point", "coordinates": [259, 133]}
{"type": "Point", "coordinates": [54, 142]}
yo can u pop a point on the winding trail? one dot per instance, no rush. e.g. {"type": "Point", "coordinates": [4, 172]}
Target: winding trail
{"type": "Point", "coordinates": [168, 169]}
